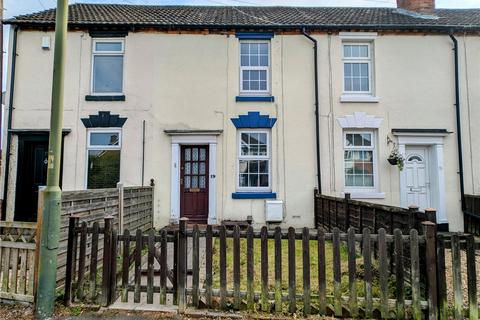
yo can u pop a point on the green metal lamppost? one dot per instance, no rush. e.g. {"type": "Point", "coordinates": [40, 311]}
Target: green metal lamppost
{"type": "Point", "coordinates": [50, 225]}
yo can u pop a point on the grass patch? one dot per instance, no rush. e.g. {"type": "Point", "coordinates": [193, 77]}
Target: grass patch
{"type": "Point", "coordinates": [298, 266]}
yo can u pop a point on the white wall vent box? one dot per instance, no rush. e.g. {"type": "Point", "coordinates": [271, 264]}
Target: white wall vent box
{"type": "Point", "coordinates": [274, 210]}
{"type": "Point", "coordinates": [46, 42]}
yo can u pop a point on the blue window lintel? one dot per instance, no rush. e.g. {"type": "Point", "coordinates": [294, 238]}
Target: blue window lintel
{"type": "Point", "coordinates": [254, 195]}
{"type": "Point", "coordinates": [255, 98]}
{"type": "Point", "coordinates": [254, 35]}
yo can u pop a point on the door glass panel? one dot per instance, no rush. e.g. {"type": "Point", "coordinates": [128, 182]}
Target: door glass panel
{"type": "Point", "coordinates": [194, 182]}
{"type": "Point", "coordinates": [188, 154]}
{"type": "Point", "coordinates": [195, 154]}
{"type": "Point", "coordinates": [187, 182]}
{"type": "Point", "coordinates": [202, 154]}
{"type": "Point", "coordinates": [202, 182]}
{"type": "Point", "coordinates": [187, 168]}
{"type": "Point", "coordinates": [202, 168]}
{"type": "Point", "coordinates": [195, 168]}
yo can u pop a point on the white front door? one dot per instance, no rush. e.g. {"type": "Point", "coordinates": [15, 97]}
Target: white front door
{"type": "Point", "coordinates": [417, 184]}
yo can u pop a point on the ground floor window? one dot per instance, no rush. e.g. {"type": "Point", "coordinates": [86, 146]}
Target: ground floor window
{"type": "Point", "coordinates": [103, 158]}
{"type": "Point", "coordinates": [254, 160]}
{"type": "Point", "coordinates": [359, 160]}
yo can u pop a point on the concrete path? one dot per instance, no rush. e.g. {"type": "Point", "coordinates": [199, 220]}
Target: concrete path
{"type": "Point", "coordinates": [156, 306]}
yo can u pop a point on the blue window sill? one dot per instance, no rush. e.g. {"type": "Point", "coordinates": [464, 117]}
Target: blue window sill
{"type": "Point", "coordinates": [255, 99]}
{"type": "Point", "coordinates": [105, 98]}
{"type": "Point", "coordinates": [254, 195]}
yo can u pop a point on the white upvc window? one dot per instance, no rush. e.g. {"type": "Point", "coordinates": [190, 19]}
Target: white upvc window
{"type": "Point", "coordinates": [107, 66]}
{"type": "Point", "coordinates": [255, 67]}
{"type": "Point", "coordinates": [360, 162]}
{"type": "Point", "coordinates": [357, 68]}
{"type": "Point", "coordinates": [254, 160]}
{"type": "Point", "coordinates": [103, 158]}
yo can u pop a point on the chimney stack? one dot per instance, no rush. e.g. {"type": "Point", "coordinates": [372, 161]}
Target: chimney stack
{"type": "Point", "coordinates": [422, 6]}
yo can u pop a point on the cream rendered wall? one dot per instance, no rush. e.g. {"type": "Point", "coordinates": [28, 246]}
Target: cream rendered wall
{"type": "Point", "coordinates": [415, 86]}
{"type": "Point", "coordinates": [190, 81]}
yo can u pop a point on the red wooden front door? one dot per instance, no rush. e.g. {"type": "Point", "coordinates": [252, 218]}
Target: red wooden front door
{"type": "Point", "coordinates": [194, 183]}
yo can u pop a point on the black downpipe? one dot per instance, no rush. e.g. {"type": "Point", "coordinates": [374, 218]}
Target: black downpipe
{"type": "Point", "coordinates": [9, 124]}
{"type": "Point", "coordinates": [459, 122]}
{"type": "Point", "coordinates": [317, 113]}
{"type": "Point", "coordinates": [143, 155]}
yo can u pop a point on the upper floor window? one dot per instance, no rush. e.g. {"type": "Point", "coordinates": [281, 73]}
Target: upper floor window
{"type": "Point", "coordinates": [359, 160]}
{"type": "Point", "coordinates": [357, 68]}
{"type": "Point", "coordinates": [255, 67]}
{"type": "Point", "coordinates": [103, 158]}
{"type": "Point", "coordinates": [254, 160]}
{"type": "Point", "coordinates": [107, 66]}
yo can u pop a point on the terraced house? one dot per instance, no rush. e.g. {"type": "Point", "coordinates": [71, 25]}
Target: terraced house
{"type": "Point", "coordinates": [238, 113]}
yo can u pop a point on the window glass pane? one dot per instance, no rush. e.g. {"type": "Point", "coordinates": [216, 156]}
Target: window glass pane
{"type": "Point", "coordinates": [263, 61]}
{"type": "Point", "coordinates": [244, 48]}
{"type": "Point", "coordinates": [264, 48]}
{"type": "Point", "coordinates": [243, 180]}
{"type": "Point", "coordinates": [363, 51]}
{"type": "Point", "coordinates": [202, 182]}
{"type": "Point", "coordinates": [347, 51]}
{"type": "Point", "coordinates": [357, 140]}
{"type": "Point", "coordinates": [367, 139]}
{"type": "Point", "coordinates": [103, 169]}
{"type": "Point", "coordinates": [253, 167]}
{"type": "Point", "coordinates": [355, 69]}
{"type": "Point", "coordinates": [104, 139]}
{"type": "Point", "coordinates": [108, 46]}
{"type": "Point", "coordinates": [194, 182]}
{"type": "Point", "coordinates": [264, 180]}
{"type": "Point", "coordinates": [107, 74]}
{"type": "Point", "coordinates": [254, 48]}
{"type": "Point", "coordinates": [244, 60]}
{"type": "Point", "coordinates": [243, 167]}
{"type": "Point", "coordinates": [253, 180]}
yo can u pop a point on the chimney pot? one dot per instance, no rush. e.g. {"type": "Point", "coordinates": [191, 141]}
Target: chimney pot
{"type": "Point", "coordinates": [423, 6]}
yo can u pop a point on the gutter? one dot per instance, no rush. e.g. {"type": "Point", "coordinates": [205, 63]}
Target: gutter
{"type": "Point", "coordinates": [317, 113]}
{"type": "Point", "coordinates": [9, 124]}
{"type": "Point", "coordinates": [318, 27]}
{"type": "Point", "coordinates": [458, 120]}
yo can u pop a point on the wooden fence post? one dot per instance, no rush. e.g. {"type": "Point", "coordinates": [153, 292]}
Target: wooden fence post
{"type": "Point", "coordinates": [182, 267]}
{"type": "Point", "coordinates": [412, 221]}
{"type": "Point", "coordinates": [107, 256]}
{"type": "Point", "coordinates": [152, 184]}
{"type": "Point", "coordinates": [347, 212]}
{"type": "Point", "coordinates": [316, 200]}
{"type": "Point", "coordinates": [431, 262]}
{"type": "Point", "coordinates": [41, 196]}
{"type": "Point", "coordinates": [431, 215]}
{"type": "Point", "coordinates": [120, 207]}
{"type": "Point", "coordinates": [72, 223]}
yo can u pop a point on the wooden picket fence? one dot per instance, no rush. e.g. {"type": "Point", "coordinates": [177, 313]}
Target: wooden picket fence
{"type": "Point", "coordinates": [17, 261]}
{"type": "Point", "coordinates": [360, 285]}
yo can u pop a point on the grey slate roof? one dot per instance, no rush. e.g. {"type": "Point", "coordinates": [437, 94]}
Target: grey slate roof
{"type": "Point", "coordinates": [255, 17]}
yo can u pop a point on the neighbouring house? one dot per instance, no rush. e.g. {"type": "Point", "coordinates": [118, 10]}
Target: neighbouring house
{"type": "Point", "coordinates": [219, 106]}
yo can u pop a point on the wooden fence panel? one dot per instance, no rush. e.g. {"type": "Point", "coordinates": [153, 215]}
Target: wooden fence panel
{"type": "Point", "coordinates": [17, 261]}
